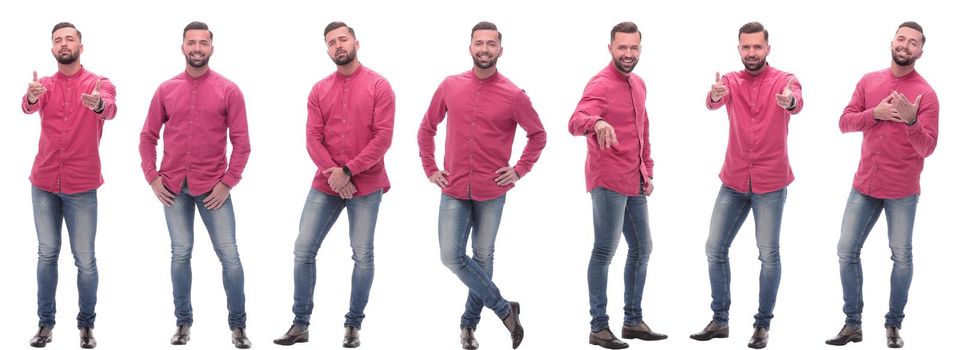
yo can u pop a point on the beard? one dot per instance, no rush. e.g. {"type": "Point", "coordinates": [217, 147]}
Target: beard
{"type": "Point", "coordinates": [903, 62]}
{"type": "Point", "coordinates": [488, 64]}
{"type": "Point", "coordinates": [621, 66]}
{"type": "Point", "coordinates": [346, 59]}
{"type": "Point", "coordinates": [66, 58]}
{"type": "Point", "coordinates": [197, 64]}
{"type": "Point", "coordinates": [754, 66]}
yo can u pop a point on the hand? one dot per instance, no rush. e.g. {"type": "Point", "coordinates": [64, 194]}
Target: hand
{"type": "Point", "coordinates": [885, 110]}
{"type": "Point", "coordinates": [605, 134]}
{"type": "Point", "coordinates": [165, 196]}
{"type": "Point", "coordinates": [786, 98]}
{"type": "Point", "coordinates": [718, 90]}
{"type": "Point", "coordinates": [217, 197]}
{"type": "Point", "coordinates": [906, 110]}
{"type": "Point", "coordinates": [92, 100]}
{"type": "Point", "coordinates": [347, 192]}
{"type": "Point", "coordinates": [336, 178]}
{"type": "Point", "coordinates": [35, 89]}
{"type": "Point", "coordinates": [506, 176]}
{"type": "Point", "coordinates": [648, 186]}
{"type": "Point", "coordinates": [439, 178]}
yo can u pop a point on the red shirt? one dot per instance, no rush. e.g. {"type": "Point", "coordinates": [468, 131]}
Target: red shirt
{"type": "Point", "coordinates": [892, 153]}
{"type": "Point", "coordinates": [483, 116]}
{"type": "Point", "coordinates": [196, 115]}
{"type": "Point", "coordinates": [68, 159]}
{"type": "Point", "coordinates": [350, 121]}
{"type": "Point", "coordinates": [757, 158]}
{"type": "Point", "coordinates": [620, 101]}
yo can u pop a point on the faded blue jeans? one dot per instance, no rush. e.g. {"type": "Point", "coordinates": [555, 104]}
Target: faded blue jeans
{"type": "Point", "coordinates": [478, 220]}
{"type": "Point", "coordinates": [222, 230]}
{"type": "Point", "coordinates": [860, 215]}
{"type": "Point", "coordinates": [616, 214]}
{"type": "Point", "coordinates": [320, 213]}
{"type": "Point", "coordinates": [730, 211]}
{"type": "Point", "coordinates": [79, 212]}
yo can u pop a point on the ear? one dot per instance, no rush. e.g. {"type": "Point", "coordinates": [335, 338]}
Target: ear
{"type": "Point", "coordinates": [501, 53]}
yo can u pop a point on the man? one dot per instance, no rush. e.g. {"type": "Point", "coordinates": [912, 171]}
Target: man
{"type": "Point", "coordinates": [357, 103]}
{"type": "Point", "coordinates": [73, 104]}
{"type": "Point", "coordinates": [484, 109]}
{"type": "Point", "coordinates": [198, 109]}
{"type": "Point", "coordinates": [897, 112]}
{"type": "Point", "coordinates": [760, 101]}
{"type": "Point", "coordinates": [619, 168]}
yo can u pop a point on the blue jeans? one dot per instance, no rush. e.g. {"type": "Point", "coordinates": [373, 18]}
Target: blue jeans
{"type": "Point", "coordinates": [457, 219]}
{"type": "Point", "coordinates": [221, 227]}
{"type": "Point", "coordinates": [730, 211]}
{"type": "Point", "coordinates": [50, 212]}
{"type": "Point", "coordinates": [860, 215]}
{"type": "Point", "coordinates": [615, 214]}
{"type": "Point", "coordinates": [320, 213]}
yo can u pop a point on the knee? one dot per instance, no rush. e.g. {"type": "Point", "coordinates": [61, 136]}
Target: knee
{"type": "Point", "coordinates": [770, 258]}
{"type": "Point", "coordinates": [903, 258]}
{"type": "Point", "coordinates": [642, 252]}
{"type": "Point", "coordinates": [48, 255]}
{"type": "Point", "coordinates": [181, 253]}
{"type": "Point", "coordinates": [363, 257]}
{"type": "Point", "coordinates": [86, 263]}
{"type": "Point", "coordinates": [453, 260]}
{"type": "Point", "coordinates": [716, 253]}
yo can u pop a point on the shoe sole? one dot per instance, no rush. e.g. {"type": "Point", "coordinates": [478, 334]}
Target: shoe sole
{"type": "Point", "coordinates": [180, 343]}
{"type": "Point", "coordinates": [298, 340]}
{"type": "Point", "coordinates": [49, 340]}
{"type": "Point", "coordinates": [592, 342]}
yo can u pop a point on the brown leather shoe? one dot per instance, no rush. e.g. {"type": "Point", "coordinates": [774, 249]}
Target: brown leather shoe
{"type": "Point", "coordinates": [467, 339]}
{"type": "Point", "coordinates": [759, 339]}
{"type": "Point", "coordinates": [641, 331]}
{"type": "Point", "coordinates": [44, 335]}
{"type": "Point", "coordinates": [894, 337]}
{"type": "Point", "coordinates": [351, 337]}
{"type": "Point", "coordinates": [87, 341]}
{"type": "Point", "coordinates": [847, 334]}
{"type": "Point", "coordinates": [711, 331]}
{"type": "Point", "coordinates": [606, 339]}
{"type": "Point", "coordinates": [513, 324]}
{"type": "Point", "coordinates": [181, 336]}
{"type": "Point", "coordinates": [296, 334]}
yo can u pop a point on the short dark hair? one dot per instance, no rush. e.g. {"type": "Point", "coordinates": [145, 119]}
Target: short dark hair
{"type": "Point", "coordinates": [751, 28]}
{"type": "Point", "coordinates": [337, 24]}
{"type": "Point", "coordinates": [910, 24]}
{"type": "Point", "coordinates": [485, 25]}
{"type": "Point", "coordinates": [196, 25]}
{"type": "Point", "coordinates": [62, 25]}
{"type": "Point", "coordinates": [625, 27]}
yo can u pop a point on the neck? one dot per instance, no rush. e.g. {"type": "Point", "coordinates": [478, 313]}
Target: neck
{"type": "Point", "coordinates": [195, 72]}
{"type": "Point", "coordinates": [69, 69]}
{"type": "Point", "coordinates": [484, 73]}
{"type": "Point", "coordinates": [349, 69]}
{"type": "Point", "coordinates": [900, 71]}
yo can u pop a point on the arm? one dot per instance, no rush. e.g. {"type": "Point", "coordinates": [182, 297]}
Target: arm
{"type": "Point", "coordinates": [315, 132]}
{"type": "Point", "coordinates": [856, 117]}
{"type": "Point", "coordinates": [798, 95]}
{"type": "Point", "coordinates": [589, 110]}
{"type": "Point", "coordinates": [382, 129]}
{"type": "Point", "coordinates": [108, 93]}
{"type": "Point", "coordinates": [720, 88]}
{"type": "Point", "coordinates": [239, 139]}
{"type": "Point", "coordinates": [38, 87]}
{"type": "Point", "coordinates": [428, 129]}
{"type": "Point", "coordinates": [923, 134]}
{"type": "Point", "coordinates": [527, 118]}
{"type": "Point", "coordinates": [156, 117]}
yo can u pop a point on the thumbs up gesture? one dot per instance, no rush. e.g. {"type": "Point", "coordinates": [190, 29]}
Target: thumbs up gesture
{"type": "Point", "coordinates": [93, 100]}
{"type": "Point", "coordinates": [786, 98]}
{"type": "Point", "coordinates": [35, 89]}
{"type": "Point", "coordinates": [718, 90]}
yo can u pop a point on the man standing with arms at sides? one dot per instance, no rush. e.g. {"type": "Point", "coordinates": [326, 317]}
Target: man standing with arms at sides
{"type": "Point", "coordinates": [897, 112]}
{"type": "Point", "coordinates": [760, 101]}
{"type": "Point", "coordinates": [484, 109]}
{"type": "Point", "coordinates": [198, 109]}
{"type": "Point", "coordinates": [613, 116]}
{"type": "Point", "coordinates": [350, 122]}
{"type": "Point", "coordinates": [73, 105]}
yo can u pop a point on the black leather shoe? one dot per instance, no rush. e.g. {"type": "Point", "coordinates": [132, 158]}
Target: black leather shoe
{"type": "Point", "coordinates": [513, 324]}
{"type": "Point", "coordinates": [296, 334]}
{"type": "Point", "coordinates": [44, 335]}
{"type": "Point", "coordinates": [351, 337]}
{"type": "Point", "coordinates": [606, 339]}
{"type": "Point", "coordinates": [847, 334]}
{"type": "Point", "coordinates": [641, 331]}
{"type": "Point", "coordinates": [894, 337]}
{"type": "Point", "coordinates": [467, 340]}
{"type": "Point", "coordinates": [87, 341]}
{"type": "Point", "coordinates": [759, 339]}
{"type": "Point", "coordinates": [711, 331]}
{"type": "Point", "coordinates": [181, 336]}
{"type": "Point", "coordinates": [239, 337]}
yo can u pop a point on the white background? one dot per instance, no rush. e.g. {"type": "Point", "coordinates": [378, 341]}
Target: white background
{"type": "Point", "coordinates": [274, 52]}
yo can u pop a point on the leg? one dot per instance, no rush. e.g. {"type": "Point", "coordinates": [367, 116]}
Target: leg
{"type": "Point", "coordinates": [486, 221]}
{"type": "Point", "coordinates": [48, 219]}
{"type": "Point", "coordinates": [362, 214]}
{"type": "Point", "coordinates": [768, 209]}
{"type": "Point", "coordinates": [80, 214]}
{"type": "Point", "coordinates": [860, 215]}
{"type": "Point", "coordinates": [900, 216]}
{"type": "Point", "coordinates": [320, 213]}
{"type": "Point", "coordinates": [180, 225]}
{"type": "Point", "coordinates": [608, 212]}
{"type": "Point", "coordinates": [730, 210]}
{"type": "Point", "coordinates": [222, 229]}
{"type": "Point", "coordinates": [637, 233]}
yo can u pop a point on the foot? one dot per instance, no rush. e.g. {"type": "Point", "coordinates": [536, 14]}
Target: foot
{"type": "Point", "coordinates": [759, 339]}
{"type": "Point", "coordinates": [239, 337]}
{"type": "Point", "coordinates": [641, 331]}
{"type": "Point", "coordinates": [87, 341]}
{"type": "Point", "coordinates": [513, 324]}
{"type": "Point", "coordinates": [847, 334]}
{"type": "Point", "coordinates": [351, 337]}
{"type": "Point", "coordinates": [296, 334]}
{"type": "Point", "coordinates": [713, 330]}
{"type": "Point", "coordinates": [894, 337]}
{"type": "Point", "coordinates": [467, 340]}
{"type": "Point", "coordinates": [181, 336]}
{"type": "Point", "coordinates": [606, 339]}
{"type": "Point", "coordinates": [44, 335]}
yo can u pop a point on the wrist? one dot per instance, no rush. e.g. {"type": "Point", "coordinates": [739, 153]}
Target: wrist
{"type": "Point", "coordinates": [912, 122]}
{"type": "Point", "coordinates": [347, 171]}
